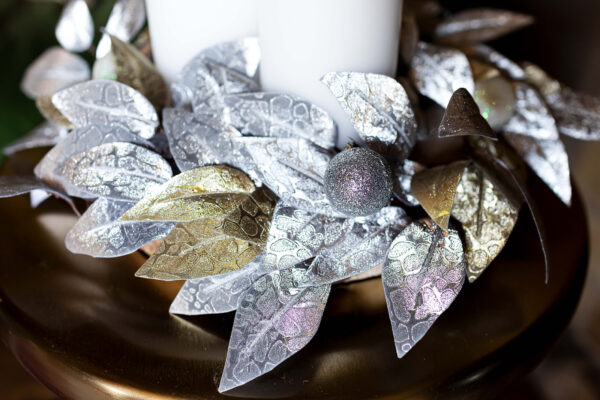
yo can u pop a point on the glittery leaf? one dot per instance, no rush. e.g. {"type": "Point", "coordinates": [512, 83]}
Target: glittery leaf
{"type": "Point", "coordinates": [423, 274]}
{"type": "Point", "coordinates": [216, 294]}
{"type": "Point", "coordinates": [531, 117]}
{"type": "Point", "coordinates": [491, 57]}
{"type": "Point", "coordinates": [227, 68]}
{"type": "Point", "coordinates": [75, 29]}
{"type": "Point", "coordinates": [49, 169]}
{"type": "Point", "coordinates": [435, 189]}
{"type": "Point", "coordinates": [403, 174]}
{"type": "Point", "coordinates": [487, 217]}
{"type": "Point", "coordinates": [548, 159]}
{"type": "Point", "coordinates": [197, 249]}
{"type": "Point", "coordinates": [195, 143]}
{"type": "Point", "coordinates": [362, 248]}
{"type": "Point", "coordinates": [120, 171]}
{"type": "Point", "coordinates": [279, 115]}
{"type": "Point", "coordinates": [437, 72]}
{"type": "Point", "coordinates": [46, 134]}
{"type": "Point", "coordinates": [577, 115]}
{"type": "Point", "coordinates": [50, 112]}
{"type": "Point", "coordinates": [204, 192]}
{"type": "Point", "coordinates": [101, 102]}
{"type": "Point", "coordinates": [251, 220]}
{"type": "Point", "coordinates": [293, 168]}
{"type": "Point", "coordinates": [379, 109]}
{"type": "Point", "coordinates": [126, 19]}
{"type": "Point", "coordinates": [99, 233]}
{"type": "Point", "coordinates": [274, 321]}
{"type": "Point", "coordinates": [125, 64]}
{"type": "Point", "coordinates": [479, 25]}
{"type": "Point", "coordinates": [462, 118]}
{"type": "Point", "coordinates": [54, 70]}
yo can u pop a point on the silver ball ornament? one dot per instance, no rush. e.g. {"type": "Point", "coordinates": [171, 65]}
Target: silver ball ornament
{"type": "Point", "coordinates": [358, 182]}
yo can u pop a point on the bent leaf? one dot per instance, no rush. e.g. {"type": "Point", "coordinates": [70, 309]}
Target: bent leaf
{"type": "Point", "coordinates": [423, 274]}
{"type": "Point", "coordinates": [487, 217]}
{"type": "Point", "coordinates": [125, 20]}
{"type": "Point", "coordinates": [100, 233]}
{"type": "Point", "coordinates": [379, 109]}
{"type": "Point", "coordinates": [75, 28]}
{"type": "Point", "coordinates": [205, 192]}
{"type": "Point", "coordinates": [435, 189]}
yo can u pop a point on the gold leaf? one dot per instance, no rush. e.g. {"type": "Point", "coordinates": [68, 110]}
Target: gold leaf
{"type": "Point", "coordinates": [251, 221]}
{"type": "Point", "coordinates": [127, 65]}
{"type": "Point", "coordinates": [435, 189]}
{"type": "Point", "coordinates": [487, 217]}
{"type": "Point", "coordinates": [51, 113]}
{"type": "Point", "coordinates": [213, 191]}
{"type": "Point", "coordinates": [197, 249]}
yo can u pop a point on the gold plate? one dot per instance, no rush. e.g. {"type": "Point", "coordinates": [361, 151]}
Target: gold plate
{"type": "Point", "coordinates": [88, 329]}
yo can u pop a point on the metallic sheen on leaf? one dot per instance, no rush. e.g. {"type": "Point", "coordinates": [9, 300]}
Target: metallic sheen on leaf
{"type": "Point", "coordinates": [435, 189]}
{"type": "Point", "coordinates": [437, 72]}
{"type": "Point", "coordinates": [54, 70]}
{"type": "Point", "coordinates": [479, 25]}
{"type": "Point", "coordinates": [197, 249]}
{"type": "Point", "coordinates": [462, 118]}
{"type": "Point", "coordinates": [120, 171]}
{"type": "Point", "coordinates": [125, 64]}
{"type": "Point", "coordinates": [275, 319]}
{"type": "Point", "coordinates": [487, 218]}
{"type": "Point", "coordinates": [424, 272]}
{"type": "Point", "coordinates": [531, 117]}
{"type": "Point", "coordinates": [227, 68]}
{"type": "Point", "coordinates": [205, 192]}
{"type": "Point", "coordinates": [100, 233]}
{"type": "Point", "coordinates": [126, 19]}
{"type": "Point", "coordinates": [379, 109]}
{"type": "Point", "coordinates": [279, 115]}
{"type": "Point", "coordinates": [50, 112]}
{"type": "Point", "coordinates": [101, 102]}
{"type": "Point", "coordinates": [46, 134]}
{"type": "Point", "coordinates": [75, 29]}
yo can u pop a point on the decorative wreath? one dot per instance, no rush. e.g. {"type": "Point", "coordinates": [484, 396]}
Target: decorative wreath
{"type": "Point", "coordinates": [254, 207]}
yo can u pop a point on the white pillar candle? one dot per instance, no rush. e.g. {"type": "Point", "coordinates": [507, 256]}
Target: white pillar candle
{"type": "Point", "coordinates": [180, 29]}
{"type": "Point", "coordinates": [302, 40]}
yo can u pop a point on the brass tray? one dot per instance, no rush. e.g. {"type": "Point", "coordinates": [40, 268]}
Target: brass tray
{"type": "Point", "coordinates": [88, 329]}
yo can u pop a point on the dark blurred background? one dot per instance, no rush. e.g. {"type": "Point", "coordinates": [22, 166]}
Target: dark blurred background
{"type": "Point", "coordinates": [565, 41]}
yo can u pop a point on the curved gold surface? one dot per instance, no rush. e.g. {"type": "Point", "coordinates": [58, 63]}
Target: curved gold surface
{"type": "Point", "coordinates": [88, 329]}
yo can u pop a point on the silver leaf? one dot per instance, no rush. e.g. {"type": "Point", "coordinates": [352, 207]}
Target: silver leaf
{"type": "Point", "coordinates": [279, 115]}
{"type": "Point", "coordinates": [531, 116]}
{"type": "Point", "coordinates": [227, 68]}
{"type": "Point", "coordinates": [362, 248]}
{"type": "Point", "coordinates": [577, 115]}
{"type": "Point", "coordinates": [548, 159]}
{"type": "Point", "coordinates": [275, 320]}
{"type": "Point", "coordinates": [54, 70]}
{"type": "Point", "coordinates": [120, 171]}
{"type": "Point", "coordinates": [15, 185]}
{"type": "Point", "coordinates": [424, 272]}
{"type": "Point", "coordinates": [46, 134]}
{"type": "Point", "coordinates": [403, 174]}
{"type": "Point", "coordinates": [100, 233]}
{"type": "Point", "coordinates": [75, 29]}
{"type": "Point", "coordinates": [490, 56]}
{"type": "Point", "coordinates": [101, 102]}
{"type": "Point", "coordinates": [292, 168]}
{"type": "Point", "coordinates": [379, 109]}
{"type": "Point", "coordinates": [125, 21]}
{"type": "Point", "coordinates": [437, 72]}
{"type": "Point", "coordinates": [78, 141]}
{"type": "Point", "coordinates": [216, 294]}
{"type": "Point", "coordinates": [479, 25]}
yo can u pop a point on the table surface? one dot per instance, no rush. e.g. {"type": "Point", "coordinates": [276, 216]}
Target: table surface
{"type": "Point", "coordinates": [87, 328]}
